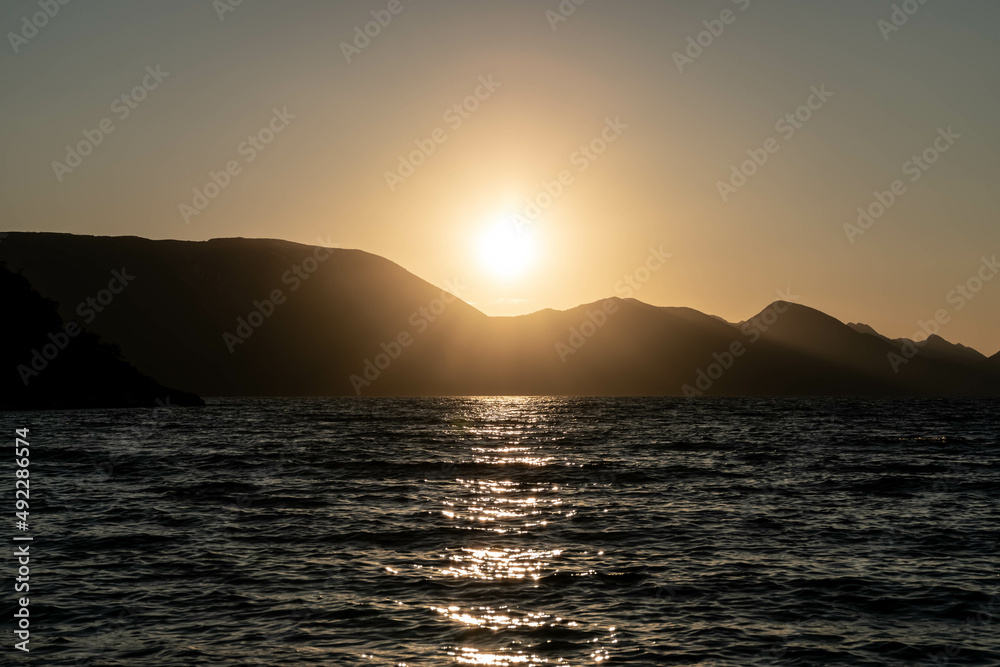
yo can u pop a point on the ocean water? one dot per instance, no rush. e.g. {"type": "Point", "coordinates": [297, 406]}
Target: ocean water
{"type": "Point", "coordinates": [515, 531]}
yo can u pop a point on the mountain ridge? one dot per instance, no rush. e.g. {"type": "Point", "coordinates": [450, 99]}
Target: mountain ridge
{"type": "Point", "coordinates": [262, 317]}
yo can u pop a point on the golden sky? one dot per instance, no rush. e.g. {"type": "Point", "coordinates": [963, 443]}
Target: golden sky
{"type": "Point", "coordinates": [622, 123]}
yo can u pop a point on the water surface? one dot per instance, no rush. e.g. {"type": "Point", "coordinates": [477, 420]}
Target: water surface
{"type": "Point", "coordinates": [517, 531]}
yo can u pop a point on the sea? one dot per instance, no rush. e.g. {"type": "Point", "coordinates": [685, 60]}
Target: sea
{"type": "Point", "coordinates": [511, 531]}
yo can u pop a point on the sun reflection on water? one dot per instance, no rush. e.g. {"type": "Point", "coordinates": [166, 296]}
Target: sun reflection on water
{"type": "Point", "coordinates": [471, 656]}
{"type": "Point", "coordinates": [493, 564]}
{"type": "Point", "coordinates": [515, 502]}
{"type": "Point", "coordinates": [509, 455]}
{"type": "Point", "coordinates": [487, 501]}
{"type": "Point", "coordinates": [496, 619]}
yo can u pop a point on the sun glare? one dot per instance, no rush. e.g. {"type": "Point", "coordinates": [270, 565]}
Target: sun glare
{"type": "Point", "coordinates": [507, 249]}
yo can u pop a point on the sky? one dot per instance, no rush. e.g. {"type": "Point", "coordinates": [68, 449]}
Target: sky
{"type": "Point", "coordinates": [739, 137]}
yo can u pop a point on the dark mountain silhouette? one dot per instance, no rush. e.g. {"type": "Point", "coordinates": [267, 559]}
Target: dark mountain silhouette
{"type": "Point", "coordinates": [937, 347]}
{"type": "Point", "coordinates": [934, 347]}
{"type": "Point", "coordinates": [338, 322]}
{"type": "Point", "coordinates": [865, 329]}
{"type": "Point", "coordinates": [50, 363]}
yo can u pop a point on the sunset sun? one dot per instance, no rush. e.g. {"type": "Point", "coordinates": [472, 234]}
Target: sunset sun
{"type": "Point", "coordinates": [507, 250]}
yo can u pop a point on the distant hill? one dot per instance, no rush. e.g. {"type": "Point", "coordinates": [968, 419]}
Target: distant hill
{"type": "Point", "coordinates": [865, 329]}
{"type": "Point", "coordinates": [250, 317]}
{"type": "Point", "coordinates": [50, 363]}
{"type": "Point", "coordinates": [934, 347]}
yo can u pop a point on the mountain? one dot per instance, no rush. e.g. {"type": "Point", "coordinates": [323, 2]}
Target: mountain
{"type": "Point", "coordinates": [251, 317]}
{"type": "Point", "coordinates": [52, 364]}
{"type": "Point", "coordinates": [865, 329]}
{"type": "Point", "coordinates": [937, 347]}
{"type": "Point", "coordinates": [934, 347]}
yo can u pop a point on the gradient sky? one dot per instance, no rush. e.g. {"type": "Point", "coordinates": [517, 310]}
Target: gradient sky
{"type": "Point", "coordinates": [323, 177]}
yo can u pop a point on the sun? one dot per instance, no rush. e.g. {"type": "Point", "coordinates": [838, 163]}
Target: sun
{"type": "Point", "coordinates": [507, 250]}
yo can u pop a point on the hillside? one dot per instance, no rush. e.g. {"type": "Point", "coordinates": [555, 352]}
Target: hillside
{"type": "Point", "coordinates": [243, 317]}
{"type": "Point", "coordinates": [50, 363]}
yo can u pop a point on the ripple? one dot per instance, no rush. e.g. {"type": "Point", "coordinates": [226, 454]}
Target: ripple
{"type": "Point", "coordinates": [525, 531]}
